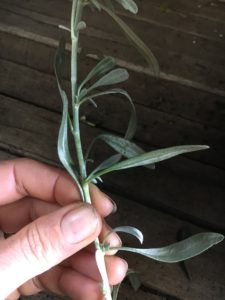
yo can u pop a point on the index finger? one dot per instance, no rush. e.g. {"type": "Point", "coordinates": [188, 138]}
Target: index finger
{"type": "Point", "coordinates": [25, 177]}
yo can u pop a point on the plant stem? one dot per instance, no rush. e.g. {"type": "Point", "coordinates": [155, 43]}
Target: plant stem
{"type": "Point", "coordinates": [100, 255]}
{"type": "Point", "coordinates": [86, 194]}
{"type": "Point", "coordinates": [75, 19]}
{"type": "Point", "coordinates": [77, 139]}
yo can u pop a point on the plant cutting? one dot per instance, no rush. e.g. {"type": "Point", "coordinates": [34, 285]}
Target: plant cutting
{"type": "Point", "coordinates": [98, 84]}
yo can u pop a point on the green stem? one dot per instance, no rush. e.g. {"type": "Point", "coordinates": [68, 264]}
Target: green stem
{"type": "Point", "coordinates": [78, 145]}
{"type": "Point", "coordinates": [106, 290]}
{"type": "Point", "coordinates": [76, 14]}
{"type": "Point", "coordinates": [75, 19]}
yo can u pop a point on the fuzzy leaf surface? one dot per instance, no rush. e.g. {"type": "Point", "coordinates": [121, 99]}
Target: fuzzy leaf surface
{"type": "Point", "coordinates": [63, 145]}
{"type": "Point", "coordinates": [133, 118]}
{"type": "Point", "coordinates": [182, 250]}
{"type": "Point", "coordinates": [130, 230]}
{"type": "Point", "coordinates": [150, 158]}
{"type": "Point", "coordinates": [134, 279]}
{"type": "Point", "coordinates": [108, 162]}
{"type": "Point", "coordinates": [135, 40]}
{"type": "Point", "coordinates": [104, 66]}
{"type": "Point", "coordinates": [115, 76]}
{"type": "Point", "coordinates": [129, 5]}
{"type": "Point", "coordinates": [123, 146]}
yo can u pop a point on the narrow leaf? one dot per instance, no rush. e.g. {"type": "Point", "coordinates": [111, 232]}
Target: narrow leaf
{"type": "Point", "coordinates": [133, 118]}
{"type": "Point", "coordinates": [63, 148]}
{"type": "Point", "coordinates": [130, 230]}
{"type": "Point", "coordinates": [129, 5]}
{"type": "Point", "coordinates": [96, 4]}
{"type": "Point", "coordinates": [115, 76]}
{"type": "Point", "coordinates": [81, 25]}
{"type": "Point", "coordinates": [109, 162]}
{"type": "Point", "coordinates": [104, 66]}
{"type": "Point", "coordinates": [180, 251]}
{"type": "Point", "coordinates": [150, 158]}
{"type": "Point", "coordinates": [83, 93]}
{"type": "Point", "coordinates": [63, 145]}
{"type": "Point", "coordinates": [64, 28]}
{"type": "Point", "coordinates": [109, 4]}
{"type": "Point", "coordinates": [135, 40]}
{"type": "Point", "coordinates": [123, 146]}
{"type": "Point", "coordinates": [132, 121]}
{"type": "Point", "coordinates": [134, 279]}
{"type": "Point", "coordinates": [115, 291]}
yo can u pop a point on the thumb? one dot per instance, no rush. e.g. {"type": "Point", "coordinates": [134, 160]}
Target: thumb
{"type": "Point", "coordinates": [44, 243]}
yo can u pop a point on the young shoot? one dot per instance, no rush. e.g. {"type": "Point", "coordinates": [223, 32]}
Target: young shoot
{"type": "Point", "coordinates": [99, 83]}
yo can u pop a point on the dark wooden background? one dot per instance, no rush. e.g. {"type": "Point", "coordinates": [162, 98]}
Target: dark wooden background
{"type": "Point", "coordinates": [185, 105]}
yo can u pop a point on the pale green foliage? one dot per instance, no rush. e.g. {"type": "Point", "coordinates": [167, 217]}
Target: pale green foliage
{"type": "Point", "coordinates": [147, 158]}
{"type": "Point", "coordinates": [128, 155]}
{"type": "Point", "coordinates": [129, 5]}
{"type": "Point", "coordinates": [127, 229]}
{"type": "Point", "coordinates": [104, 66]}
{"type": "Point", "coordinates": [179, 251]}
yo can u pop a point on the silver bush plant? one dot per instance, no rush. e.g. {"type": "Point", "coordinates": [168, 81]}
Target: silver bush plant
{"type": "Point", "coordinates": [98, 83]}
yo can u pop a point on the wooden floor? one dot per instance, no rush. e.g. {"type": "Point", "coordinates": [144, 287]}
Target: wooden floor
{"type": "Point", "coordinates": [185, 105]}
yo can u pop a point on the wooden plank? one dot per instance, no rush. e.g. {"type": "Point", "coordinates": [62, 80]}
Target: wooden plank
{"type": "Point", "coordinates": [169, 279]}
{"type": "Point", "coordinates": [126, 293]}
{"type": "Point", "coordinates": [171, 13]}
{"type": "Point", "coordinates": [204, 9]}
{"type": "Point", "coordinates": [209, 55]}
{"type": "Point", "coordinates": [6, 155]}
{"type": "Point", "coordinates": [188, 45]}
{"type": "Point", "coordinates": [163, 95]}
{"type": "Point", "coordinates": [43, 296]}
{"type": "Point", "coordinates": [182, 20]}
{"type": "Point", "coordinates": [190, 190]}
{"type": "Point", "coordinates": [155, 128]}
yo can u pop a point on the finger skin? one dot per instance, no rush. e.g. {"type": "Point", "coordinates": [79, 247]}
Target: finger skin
{"type": "Point", "coordinates": [30, 190]}
{"type": "Point", "coordinates": [51, 280]}
{"type": "Point", "coordinates": [20, 178]}
{"type": "Point", "coordinates": [42, 244]}
{"type": "Point", "coordinates": [78, 287]}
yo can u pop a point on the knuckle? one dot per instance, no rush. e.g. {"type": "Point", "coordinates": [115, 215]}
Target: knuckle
{"type": "Point", "coordinates": [37, 245]}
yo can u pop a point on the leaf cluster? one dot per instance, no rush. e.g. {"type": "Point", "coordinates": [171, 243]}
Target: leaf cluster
{"type": "Point", "coordinates": [97, 84]}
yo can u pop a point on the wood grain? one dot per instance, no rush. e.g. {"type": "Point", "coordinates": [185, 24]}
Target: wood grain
{"type": "Point", "coordinates": [155, 128]}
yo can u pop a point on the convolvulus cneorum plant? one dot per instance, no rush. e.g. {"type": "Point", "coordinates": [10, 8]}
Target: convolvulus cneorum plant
{"type": "Point", "coordinates": [96, 84]}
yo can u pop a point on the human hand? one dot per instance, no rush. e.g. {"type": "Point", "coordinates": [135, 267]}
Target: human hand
{"type": "Point", "coordinates": [41, 206]}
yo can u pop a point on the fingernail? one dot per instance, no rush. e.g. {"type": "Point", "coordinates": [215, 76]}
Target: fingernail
{"type": "Point", "coordinates": [125, 265]}
{"type": "Point", "coordinates": [114, 241]}
{"type": "Point", "coordinates": [79, 224]}
{"type": "Point", "coordinates": [114, 206]}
